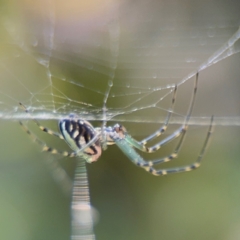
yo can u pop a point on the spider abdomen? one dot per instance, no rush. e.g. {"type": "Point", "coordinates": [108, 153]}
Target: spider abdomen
{"type": "Point", "coordinates": [78, 133]}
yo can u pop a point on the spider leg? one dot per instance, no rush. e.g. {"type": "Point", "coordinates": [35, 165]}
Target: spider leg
{"type": "Point", "coordinates": [170, 157]}
{"type": "Point", "coordinates": [162, 129]}
{"type": "Point", "coordinates": [141, 145]}
{"type": "Point", "coordinates": [139, 161]}
{"type": "Point", "coordinates": [46, 148]}
{"type": "Point", "coordinates": [44, 129]}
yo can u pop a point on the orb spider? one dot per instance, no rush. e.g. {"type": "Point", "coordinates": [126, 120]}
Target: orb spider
{"type": "Point", "coordinates": [87, 141]}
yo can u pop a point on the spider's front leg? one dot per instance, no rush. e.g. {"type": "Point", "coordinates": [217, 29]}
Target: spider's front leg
{"type": "Point", "coordinates": [42, 128]}
{"type": "Point", "coordinates": [141, 145]}
{"type": "Point", "coordinates": [180, 131]}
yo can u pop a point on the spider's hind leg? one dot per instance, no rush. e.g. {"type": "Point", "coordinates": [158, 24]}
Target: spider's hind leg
{"type": "Point", "coordinates": [41, 143]}
{"type": "Point", "coordinates": [44, 129]}
{"type": "Point", "coordinates": [45, 148]}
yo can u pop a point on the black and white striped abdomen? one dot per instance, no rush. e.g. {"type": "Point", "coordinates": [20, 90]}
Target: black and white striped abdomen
{"type": "Point", "coordinates": [77, 133]}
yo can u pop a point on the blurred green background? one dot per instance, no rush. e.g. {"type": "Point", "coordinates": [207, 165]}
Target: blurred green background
{"type": "Point", "coordinates": [164, 40]}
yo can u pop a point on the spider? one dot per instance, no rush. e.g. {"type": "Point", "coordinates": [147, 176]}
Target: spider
{"type": "Point", "coordinates": [87, 141]}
